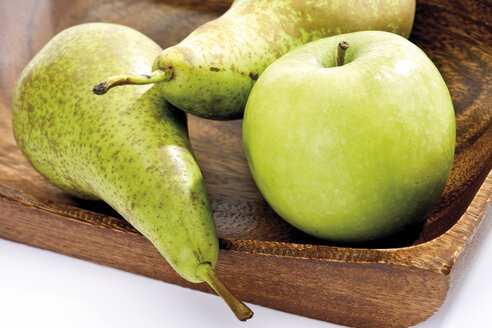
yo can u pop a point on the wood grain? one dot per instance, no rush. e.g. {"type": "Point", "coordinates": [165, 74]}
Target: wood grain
{"type": "Point", "coordinates": [398, 281]}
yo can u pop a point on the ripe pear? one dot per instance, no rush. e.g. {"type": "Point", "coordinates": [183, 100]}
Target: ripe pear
{"type": "Point", "coordinates": [130, 149]}
{"type": "Point", "coordinates": [211, 72]}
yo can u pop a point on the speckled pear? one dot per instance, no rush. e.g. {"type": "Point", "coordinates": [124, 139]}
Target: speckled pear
{"type": "Point", "coordinates": [211, 72]}
{"type": "Point", "coordinates": [130, 149]}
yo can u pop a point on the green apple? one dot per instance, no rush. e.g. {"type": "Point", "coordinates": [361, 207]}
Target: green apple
{"type": "Point", "coordinates": [351, 146]}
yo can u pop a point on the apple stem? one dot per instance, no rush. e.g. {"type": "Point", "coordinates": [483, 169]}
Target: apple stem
{"type": "Point", "coordinates": [240, 309]}
{"type": "Point", "coordinates": [156, 76]}
{"type": "Point", "coordinates": [342, 48]}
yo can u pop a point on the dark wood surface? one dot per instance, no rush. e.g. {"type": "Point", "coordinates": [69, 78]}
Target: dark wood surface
{"type": "Point", "coordinates": [398, 281]}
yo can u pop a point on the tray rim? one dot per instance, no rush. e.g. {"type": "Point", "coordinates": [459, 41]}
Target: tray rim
{"type": "Point", "coordinates": [415, 256]}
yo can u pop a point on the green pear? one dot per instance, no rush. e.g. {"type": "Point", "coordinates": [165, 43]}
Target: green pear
{"type": "Point", "coordinates": [130, 149]}
{"type": "Point", "coordinates": [210, 73]}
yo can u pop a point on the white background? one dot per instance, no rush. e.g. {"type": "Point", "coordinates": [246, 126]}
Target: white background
{"type": "Point", "coordinates": [41, 289]}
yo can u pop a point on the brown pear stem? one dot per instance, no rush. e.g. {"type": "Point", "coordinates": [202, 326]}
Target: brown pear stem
{"type": "Point", "coordinates": [156, 76]}
{"type": "Point", "coordinates": [342, 48]}
{"type": "Point", "coordinates": [206, 272]}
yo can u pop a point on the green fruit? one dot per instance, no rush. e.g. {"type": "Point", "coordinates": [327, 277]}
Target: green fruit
{"type": "Point", "coordinates": [354, 152]}
{"type": "Point", "coordinates": [210, 73]}
{"type": "Point", "coordinates": [130, 149]}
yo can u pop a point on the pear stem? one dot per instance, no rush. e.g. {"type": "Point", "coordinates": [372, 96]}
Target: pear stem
{"type": "Point", "coordinates": [342, 48]}
{"type": "Point", "coordinates": [206, 272]}
{"type": "Point", "coordinates": [156, 76]}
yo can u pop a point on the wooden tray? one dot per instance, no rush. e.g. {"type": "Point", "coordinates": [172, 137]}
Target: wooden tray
{"type": "Point", "coordinates": [395, 282]}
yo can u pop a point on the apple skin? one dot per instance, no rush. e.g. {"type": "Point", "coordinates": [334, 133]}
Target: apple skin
{"type": "Point", "coordinates": [356, 152]}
